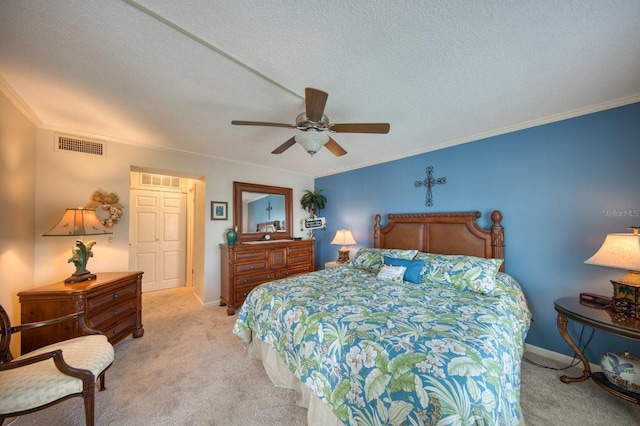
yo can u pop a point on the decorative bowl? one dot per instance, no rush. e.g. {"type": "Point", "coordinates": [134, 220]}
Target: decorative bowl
{"type": "Point", "coordinates": [623, 370]}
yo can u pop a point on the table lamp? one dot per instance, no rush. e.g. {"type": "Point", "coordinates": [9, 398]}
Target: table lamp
{"type": "Point", "coordinates": [343, 238]}
{"type": "Point", "coordinates": [622, 251]}
{"type": "Point", "coordinates": [79, 222]}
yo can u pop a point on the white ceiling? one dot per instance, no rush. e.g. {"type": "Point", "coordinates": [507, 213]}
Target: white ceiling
{"type": "Point", "coordinates": [174, 74]}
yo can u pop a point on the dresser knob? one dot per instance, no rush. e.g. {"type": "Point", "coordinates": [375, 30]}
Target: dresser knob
{"type": "Point", "coordinates": [251, 267]}
{"type": "Point", "coordinates": [114, 313]}
{"type": "Point", "coordinates": [114, 331]}
{"type": "Point", "coordinates": [244, 281]}
{"type": "Point", "coordinates": [115, 295]}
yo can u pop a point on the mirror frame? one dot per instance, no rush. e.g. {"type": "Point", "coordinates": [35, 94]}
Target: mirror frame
{"type": "Point", "coordinates": [239, 188]}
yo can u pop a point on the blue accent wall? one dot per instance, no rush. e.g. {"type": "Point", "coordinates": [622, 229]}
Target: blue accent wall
{"type": "Point", "coordinates": [561, 187]}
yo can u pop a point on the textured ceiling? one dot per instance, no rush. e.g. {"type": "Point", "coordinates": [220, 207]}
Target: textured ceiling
{"type": "Point", "coordinates": [441, 72]}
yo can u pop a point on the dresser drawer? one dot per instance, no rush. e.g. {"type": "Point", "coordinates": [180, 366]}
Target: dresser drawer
{"type": "Point", "coordinates": [254, 279]}
{"type": "Point", "coordinates": [295, 251]}
{"type": "Point", "coordinates": [113, 313]}
{"type": "Point", "coordinates": [241, 294]}
{"type": "Point", "coordinates": [251, 267]}
{"type": "Point", "coordinates": [114, 296]}
{"type": "Point", "coordinates": [298, 259]}
{"type": "Point", "coordinates": [289, 272]}
{"type": "Point", "coordinates": [117, 331]}
{"type": "Point", "coordinates": [244, 256]}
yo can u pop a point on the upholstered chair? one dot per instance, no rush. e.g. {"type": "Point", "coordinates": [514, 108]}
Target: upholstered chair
{"type": "Point", "coordinates": [51, 374]}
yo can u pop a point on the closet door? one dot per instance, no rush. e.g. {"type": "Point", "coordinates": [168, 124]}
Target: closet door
{"type": "Point", "coordinates": [158, 238]}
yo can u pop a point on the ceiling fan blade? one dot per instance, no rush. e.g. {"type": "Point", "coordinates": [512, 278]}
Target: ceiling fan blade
{"type": "Point", "coordinates": [360, 128]}
{"type": "Point", "coordinates": [261, 123]}
{"type": "Point", "coordinates": [285, 146]}
{"type": "Point", "coordinates": [315, 100]}
{"type": "Point", "coordinates": [335, 148]}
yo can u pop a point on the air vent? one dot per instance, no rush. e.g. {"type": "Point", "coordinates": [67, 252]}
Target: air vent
{"type": "Point", "coordinates": [68, 143]}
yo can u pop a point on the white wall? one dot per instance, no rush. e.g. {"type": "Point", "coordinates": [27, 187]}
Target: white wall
{"type": "Point", "coordinates": [17, 191]}
{"type": "Point", "coordinates": [66, 179]}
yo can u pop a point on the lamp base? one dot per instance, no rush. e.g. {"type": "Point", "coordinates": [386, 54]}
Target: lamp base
{"type": "Point", "coordinates": [343, 256]}
{"type": "Point", "coordinates": [632, 278]}
{"type": "Point", "coordinates": [78, 278]}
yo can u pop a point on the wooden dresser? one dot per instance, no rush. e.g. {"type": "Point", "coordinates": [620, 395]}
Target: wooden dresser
{"type": "Point", "coordinates": [112, 304]}
{"type": "Point", "coordinates": [245, 265]}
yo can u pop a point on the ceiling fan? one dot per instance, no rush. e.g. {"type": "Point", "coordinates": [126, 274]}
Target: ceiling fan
{"type": "Point", "coordinates": [315, 125]}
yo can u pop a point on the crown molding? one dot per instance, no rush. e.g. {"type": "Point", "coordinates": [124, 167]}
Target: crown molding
{"type": "Point", "coordinates": [19, 103]}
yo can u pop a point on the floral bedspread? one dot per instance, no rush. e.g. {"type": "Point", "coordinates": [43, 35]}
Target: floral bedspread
{"type": "Point", "coordinates": [383, 353]}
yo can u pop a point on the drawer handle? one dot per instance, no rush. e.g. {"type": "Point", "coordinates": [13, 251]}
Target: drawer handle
{"type": "Point", "coordinates": [245, 294]}
{"type": "Point", "coordinates": [244, 281]}
{"type": "Point", "coordinates": [114, 313]}
{"type": "Point", "coordinates": [115, 296]}
{"type": "Point", "coordinates": [251, 267]}
{"type": "Point", "coordinates": [114, 331]}
{"type": "Point", "coordinates": [252, 254]}
{"type": "Point", "coordinates": [268, 276]}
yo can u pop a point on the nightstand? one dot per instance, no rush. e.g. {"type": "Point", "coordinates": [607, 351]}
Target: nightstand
{"type": "Point", "coordinates": [571, 308]}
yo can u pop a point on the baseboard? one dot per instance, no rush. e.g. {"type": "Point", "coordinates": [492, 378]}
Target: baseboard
{"type": "Point", "coordinates": [555, 356]}
{"type": "Point", "coordinates": [211, 304]}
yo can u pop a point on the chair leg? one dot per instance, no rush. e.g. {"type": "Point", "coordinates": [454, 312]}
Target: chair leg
{"type": "Point", "coordinates": [101, 383]}
{"type": "Point", "coordinates": [89, 399]}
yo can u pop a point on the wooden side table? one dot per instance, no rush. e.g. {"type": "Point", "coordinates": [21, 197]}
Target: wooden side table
{"type": "Point", "coordinates": [570, 308]}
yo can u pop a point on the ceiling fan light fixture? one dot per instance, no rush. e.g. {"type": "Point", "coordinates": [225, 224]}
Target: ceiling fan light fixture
{"type": "Point", "coordinates": [312, 141]}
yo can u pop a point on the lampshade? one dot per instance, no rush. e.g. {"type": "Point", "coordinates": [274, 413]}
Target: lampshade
{"type": "Point", "coordinates": [312, 141]}
{"type": "Point", "coordinates": [344, 237]}
{"type": "Point", "coordinates": [77, 222]}
{"type": "Point", "coordinates": [620, 251]}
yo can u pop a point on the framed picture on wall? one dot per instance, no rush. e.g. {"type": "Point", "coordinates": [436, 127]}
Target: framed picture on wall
{"type": "Point", "coordinates": [218, 210]}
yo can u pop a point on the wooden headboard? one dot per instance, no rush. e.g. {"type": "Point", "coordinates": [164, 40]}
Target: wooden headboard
{"type": "Point", "coordinates": [443, 233]}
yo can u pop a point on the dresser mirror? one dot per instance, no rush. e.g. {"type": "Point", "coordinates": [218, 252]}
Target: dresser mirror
{"type": "Point", "coordinates": [262, 212]}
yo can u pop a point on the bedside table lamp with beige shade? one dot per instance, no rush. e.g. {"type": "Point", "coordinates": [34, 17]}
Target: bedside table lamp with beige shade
{"type": "Point", "coordinates": [622, 251]}
{"type": "Point", "coordinates": [79, 222]}
{"type": "Point", "coordinates": [343, 238]}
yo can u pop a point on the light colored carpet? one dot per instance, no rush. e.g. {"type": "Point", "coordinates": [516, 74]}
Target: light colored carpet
{"type": "Point", "coordinates": [189, 369]}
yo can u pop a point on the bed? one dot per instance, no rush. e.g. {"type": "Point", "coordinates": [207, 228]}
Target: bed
{"type": "Point", "coordinates": [370, 343]}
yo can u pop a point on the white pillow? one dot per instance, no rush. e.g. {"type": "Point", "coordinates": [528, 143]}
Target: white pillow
{"type": "Point", "coordinates": [391, 273]}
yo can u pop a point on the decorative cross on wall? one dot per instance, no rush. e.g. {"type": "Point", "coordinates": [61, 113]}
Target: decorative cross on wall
{"type": "Point", "coordinates": [269, 208]}
{"type": "Point", "coordinates": [428, 183]}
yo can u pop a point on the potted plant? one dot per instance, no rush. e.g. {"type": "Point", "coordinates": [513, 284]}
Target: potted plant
{"type": "Point", "coordinates": [313, 201]}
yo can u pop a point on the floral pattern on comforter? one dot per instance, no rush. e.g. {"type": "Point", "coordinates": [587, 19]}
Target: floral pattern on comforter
{"type": "Point", "coordinates": [383, 353]}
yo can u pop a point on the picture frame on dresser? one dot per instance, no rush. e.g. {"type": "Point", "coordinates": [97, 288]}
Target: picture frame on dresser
{"type": "Point", "coordinates": [219, 210]}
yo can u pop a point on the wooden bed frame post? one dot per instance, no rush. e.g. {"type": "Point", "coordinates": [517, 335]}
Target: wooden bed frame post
{"type": "Point", "coordinates": [497, 237]}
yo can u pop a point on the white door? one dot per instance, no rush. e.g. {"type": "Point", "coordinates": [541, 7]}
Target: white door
{"type": "Point", "coordinates": [158, 238]}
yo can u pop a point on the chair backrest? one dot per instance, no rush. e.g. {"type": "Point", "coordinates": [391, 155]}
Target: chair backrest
{"type": "Point", "coordinates": [5, 336]}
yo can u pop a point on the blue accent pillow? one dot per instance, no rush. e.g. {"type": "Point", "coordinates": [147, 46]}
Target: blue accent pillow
{"type": "Point", "coordinates": [414, 267]}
